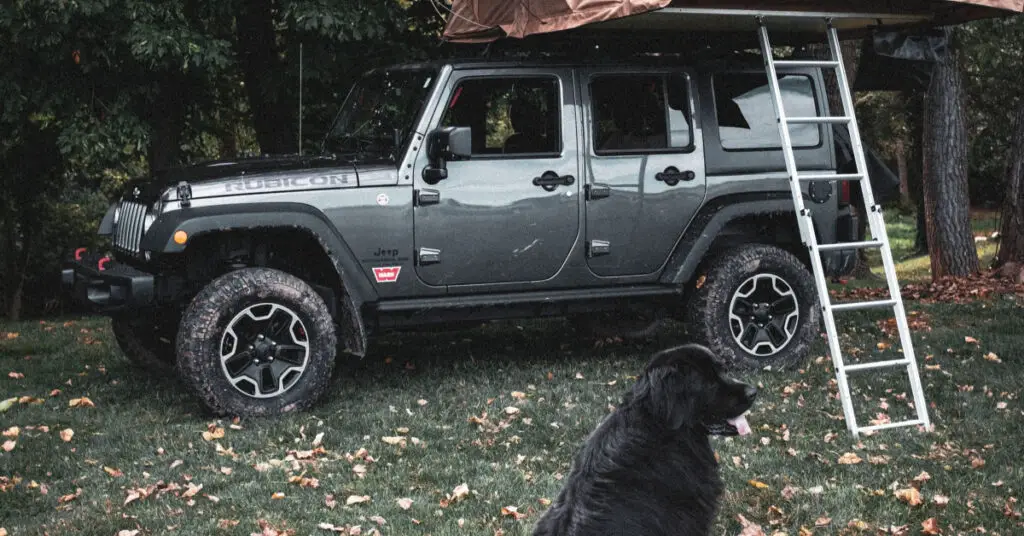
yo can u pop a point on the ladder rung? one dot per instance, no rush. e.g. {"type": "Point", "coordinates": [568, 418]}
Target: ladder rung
{"type": "Point", "coordinates": [832, 177]}
{"type": "Point", "coordinates": [915, 422]}
{"type": "Point", "coordinates": [817, 120]}
{"type": "Point", "coordinates": [807, 63]}
{"type": "Point", "coordinates": [859, 306]}
{"type": "Point", "coordinates": [870, 366]}
{"type": "Point", "coordinates": [851, 245]}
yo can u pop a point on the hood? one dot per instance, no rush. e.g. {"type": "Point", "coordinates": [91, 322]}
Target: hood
{"type": "Point", "coordinates": [246, 176]}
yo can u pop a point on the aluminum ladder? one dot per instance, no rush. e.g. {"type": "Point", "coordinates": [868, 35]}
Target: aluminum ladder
{"type": "Point", "coordinates": [874, 219]}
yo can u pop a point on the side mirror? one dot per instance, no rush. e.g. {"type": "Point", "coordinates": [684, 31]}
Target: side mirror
{"type": "Point", "coordinates": [445, 144]}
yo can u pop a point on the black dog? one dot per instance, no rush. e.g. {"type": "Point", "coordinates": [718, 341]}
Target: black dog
{"type": "Point", "coordinates": [649, 469]}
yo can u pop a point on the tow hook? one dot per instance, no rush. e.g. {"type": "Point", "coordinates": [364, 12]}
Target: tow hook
{"type": "Point", "coordinates": [101, 265]}
{"type": "Point", "coordinates": [79, 252]}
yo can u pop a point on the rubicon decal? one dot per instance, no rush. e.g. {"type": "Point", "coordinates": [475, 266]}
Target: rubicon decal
{"type": "Point", "coordinates": [386, 274]}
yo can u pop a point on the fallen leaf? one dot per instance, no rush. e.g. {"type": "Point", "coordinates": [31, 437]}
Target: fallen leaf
{"type": "Point", "coordinates": [393, 440]}
{"type": "Point", "coordinates": [993, 358]}
{"type": "Point", "coordinates": [822, 521]}
{"type": "Point", "coordinates": [11, 335]}
{"type": "Point", "coordinates": [12, 432]}
{"type": "Point", "coordinates": [511, 410]}
{"type": "Point", "coordinates": [849, 458]}
{"type": "Point", "coordinates": [940, 500]}
{"type": "Point", "coordinates": [930, 526]}
{"type": "Point", "coordinates": [192, 490]}
{"type": "Point", "coordinates": [127, 532]}
{"type": "Point", "coordinates": [225, 470]}
{"type": "Point", "coordinates": [404, 503]}
{"type": "Point", "coordinates": [757, 484]}
{"type": "Point", "coordinates": [749, 527]}
{"type": "Point", "coordinates": [9, 445]}
{"type": "Point", "coordinates": [214, 432]}
{"type": "Point", "coordinates": [356, 499]}
{"type": "Point", "coordinates": [7, 404]}
{"type": "Point", "coordinates": [15, 375]}
{"type": "Point", "coordinates": [83, 402]}
{"type": "Point", "coordinates": [318, 439]}
{"type": "Point", "coordinates": [460, 492]}
{"type": "Point", "coordinates": [922, 478]}
{"type": "Point", "coordinates": [277, 495]}
{"type": "Point", "coordinates": [227, 523]}
{"type": "Point", "coordinates": [519, 395]}
{"type": "Point", "coordinates": [360, 470]}
{"type": "Point", "coordinates": [789, 492]}
{"type": "Point", "coordinates": [512, 511]}
{"type": "Point", "coordinates": [66, 434]}
{"type": "Point", "coordinates": [544, 501]}
{"type": "Point", "coordinates": [112, 471]}
{"type": "Point", "coordinates": [970, 340]}
{"type": "Point", "coordinates": [70, 496]}
{"type": "Point", "coordinates": [579, 375]}
{"type": "Point", "coordinates": [175, 463]}
{"type": "Point", "coordinates": [909, 495]}
{"type": "Point", "coordinates": [977, 462]}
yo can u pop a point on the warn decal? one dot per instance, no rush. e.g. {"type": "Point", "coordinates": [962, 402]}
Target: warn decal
{"type": "Point", "coordinates": [386, 274]}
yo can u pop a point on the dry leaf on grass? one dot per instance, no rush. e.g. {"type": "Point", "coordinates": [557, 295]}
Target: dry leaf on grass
{"type": "Point", "coordinates": [849, 459]}
{"type": "Point", "coordinates": [404, 503]}
{"type": "Point", "coordinates": [512, 511]}
{"type": "Point", "coordinates": [66, 434]}
{"type": "Point", "coordinates": [9, 445]}
{"type": "Point", "coordinates": [909, 495]}
{"type": "Point", "coordinates": [12, 432]}
{"type": "Point", "coordinates": [83, 402]}
{"type": "Point", "coordinates": [356, 499]}
{"type": "Point", "coordinates": [930, 526]}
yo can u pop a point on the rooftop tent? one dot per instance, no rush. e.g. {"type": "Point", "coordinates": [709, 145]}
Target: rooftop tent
{"type": "Point", "coordinates": [488, 20]}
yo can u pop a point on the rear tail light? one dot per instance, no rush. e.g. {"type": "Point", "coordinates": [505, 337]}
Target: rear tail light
{"type": "Point", "coordinates": [844, 192]}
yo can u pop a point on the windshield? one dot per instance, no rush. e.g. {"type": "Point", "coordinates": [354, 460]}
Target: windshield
{"type": "Point", "coordinates": [376, 121]}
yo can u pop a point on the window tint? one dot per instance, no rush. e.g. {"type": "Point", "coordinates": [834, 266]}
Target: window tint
{"type": "Point", "coordinates": [507, 115]}
{"type": "Point", "coordinates": [746, 117]}
{"type": "Point", "coordinates": [640, 113]}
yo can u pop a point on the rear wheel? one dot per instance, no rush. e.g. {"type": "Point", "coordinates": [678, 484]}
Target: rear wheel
{"type": "Point", "coordinates": [257, 341]}
{"type": "Point", "coordinates": [147, 341]}
{"type": "Point", "coordinates": [756, 306]}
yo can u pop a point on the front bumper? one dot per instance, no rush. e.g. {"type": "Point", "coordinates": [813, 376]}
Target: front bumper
{"type": "Point", "coordinates": [106, 285]}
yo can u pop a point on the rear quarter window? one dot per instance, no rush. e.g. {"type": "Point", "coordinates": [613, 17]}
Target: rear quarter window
{"type": "Point", "coordinates": [746, 117]}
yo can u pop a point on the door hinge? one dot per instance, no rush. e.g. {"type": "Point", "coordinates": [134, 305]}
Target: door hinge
{"type": "Point", "coordinates": [597, 248]}
{"type": "Point", "coordinates": [429, 256]}
{"type": "Point", "coordinates": [427, 197]}
{"type": "Point", "coordinates": [598, 191]}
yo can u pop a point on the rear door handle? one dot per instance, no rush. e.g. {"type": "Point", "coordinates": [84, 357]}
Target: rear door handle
{"type": "Point", "coordinates": [671, 176]}
{"type": "Point", "coordinates": [551, 180]}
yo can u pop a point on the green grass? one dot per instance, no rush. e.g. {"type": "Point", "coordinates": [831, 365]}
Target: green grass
{"type": "Point", "coordinates": [427, 386]}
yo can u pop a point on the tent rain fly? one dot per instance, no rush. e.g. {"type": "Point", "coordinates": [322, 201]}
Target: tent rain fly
{"type": "Point", "coordinates": [488, 20]}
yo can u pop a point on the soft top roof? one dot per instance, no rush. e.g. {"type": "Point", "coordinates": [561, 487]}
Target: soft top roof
{"type": "Point", "coordinates": [487, 20]}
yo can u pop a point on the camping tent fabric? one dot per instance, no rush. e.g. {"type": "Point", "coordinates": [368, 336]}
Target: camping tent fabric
{"type": "Point", "coordinates": [487, 20]}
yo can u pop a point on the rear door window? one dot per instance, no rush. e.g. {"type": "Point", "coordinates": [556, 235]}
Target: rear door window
{"type": "Point", "coordinates": [746, 117]}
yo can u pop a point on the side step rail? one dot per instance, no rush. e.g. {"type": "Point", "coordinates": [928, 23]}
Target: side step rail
{"type": "Point", "coordinates": [875, 222]}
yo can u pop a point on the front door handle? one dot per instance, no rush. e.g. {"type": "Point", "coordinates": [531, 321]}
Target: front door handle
{"type": "Point", "coordinates": [671, 176]}
{"type": "Point", "coordinates": [551, 180]}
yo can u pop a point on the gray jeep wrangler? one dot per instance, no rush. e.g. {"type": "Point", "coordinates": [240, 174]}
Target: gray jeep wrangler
{"type": "Point", "coordinates": [478, 189]}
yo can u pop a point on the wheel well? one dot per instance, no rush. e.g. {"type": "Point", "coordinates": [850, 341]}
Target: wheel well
{"type": "Point", "coordinates": [294, 251]}
{"type": "Point", "coordinates": [774, 228]}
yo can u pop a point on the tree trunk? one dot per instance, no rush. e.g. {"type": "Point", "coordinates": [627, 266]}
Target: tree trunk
{"type": "Point", "coordinates": [904, 172]}
{"type": "Point", "coordinates": [1011, 245]}
{"type": "Point", "coordinates": [947, 204]}
{"type": "Point", "coordinates": [166, 119]}
{"type": "Point", "coordinates": [273, 118]}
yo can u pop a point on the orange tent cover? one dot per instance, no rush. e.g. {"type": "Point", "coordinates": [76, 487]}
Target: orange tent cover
{"type": "Point", "coordinates": [488, 20]}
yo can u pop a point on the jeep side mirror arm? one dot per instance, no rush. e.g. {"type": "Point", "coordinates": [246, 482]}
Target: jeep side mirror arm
{"type": "Point", "coordinates": [445, 144]}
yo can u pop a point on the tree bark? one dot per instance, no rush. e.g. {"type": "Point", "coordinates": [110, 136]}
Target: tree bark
{"type": "Point", "coordinates": [166, 117]}
{"type": "Point", "coordinates": [273, 118]}
{"type": "Point", "coordinates": [904, 172]}
{"type": "Point", "coordinates": [947, 204]}
{"type": "Point", "coordinates": [1011, 245]}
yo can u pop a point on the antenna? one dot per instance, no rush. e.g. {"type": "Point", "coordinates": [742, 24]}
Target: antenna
{"type": "Point", "coordinates": [300, 99]}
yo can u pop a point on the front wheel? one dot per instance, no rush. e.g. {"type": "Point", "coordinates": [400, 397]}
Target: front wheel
{"type": "Point", "coordinates": [756, 307]}
{"type": "Point", "coordinates": [255, 342]}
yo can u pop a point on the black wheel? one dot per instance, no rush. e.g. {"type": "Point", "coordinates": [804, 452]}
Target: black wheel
{"type": "Point", "coordinates": [147, 341]}
{"type": "Point", "coordinates": [256, 342]}
{"type": "Point", "coordinates": [757, 306]}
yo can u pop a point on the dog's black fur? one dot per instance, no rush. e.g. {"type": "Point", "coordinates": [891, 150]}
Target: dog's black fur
{"type": "Point", "coordinates": [648, 469]}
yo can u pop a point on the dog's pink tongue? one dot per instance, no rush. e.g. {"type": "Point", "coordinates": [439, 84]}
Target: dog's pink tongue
{"type": "Point", "coordinates": [741, 425]}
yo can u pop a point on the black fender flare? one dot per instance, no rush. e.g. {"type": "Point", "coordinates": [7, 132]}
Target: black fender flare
{"type": "Point", "coordinates": [707, 225]}
{"type": "Point", "coordinates": [356, 287]}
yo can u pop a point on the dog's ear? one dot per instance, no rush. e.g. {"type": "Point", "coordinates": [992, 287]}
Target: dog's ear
{"type": "Point", "coordinates": [664, 393]}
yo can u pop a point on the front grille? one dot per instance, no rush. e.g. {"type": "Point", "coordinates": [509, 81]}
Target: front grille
{"type": "Point", "coordinates": [128, 233]}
